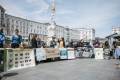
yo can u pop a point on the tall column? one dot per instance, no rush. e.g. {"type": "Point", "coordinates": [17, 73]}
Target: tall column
{"type": "Point", "coordinates": [52, 26]}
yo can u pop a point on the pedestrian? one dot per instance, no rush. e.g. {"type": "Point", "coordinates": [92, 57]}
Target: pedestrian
{"type": "Point", "coordinates": [80, 43]}
{"type": "Point", "coordinates": [58, 43]}
{"type": "Point", "coordinates": [96, 44]}
{"type": "Point", "coordinates": [39, 43]}
{"type": "Point", "coordinates": [2, 42]}
{"type": "Point", "coordinates": [34, 41]}
{"type": "Point", "coordinates": [62, 43]}
{"type": "Point", "coordinates": [2, 38]}
{"type": "Point", "coordinates": [71, 44]}
{"type": "Point", "coordinates": [117, 55]}
{"type": "Point", "coordinates": [67, 44]}
{"type": "Point", "coordinates": [16, 39]}
{"type": "Point", "coordinates": [53, 43]}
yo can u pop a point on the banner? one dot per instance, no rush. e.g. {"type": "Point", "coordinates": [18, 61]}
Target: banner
{"type": "Point", "coordinates": [19, 58]}
{"type": "Point", "coordinates": [98, 53]}
{"type": "Point", "coordinates": [40, 54]}
{"type": "Point", "coordinates": [63, 53]}
{"type": "Point", "coordinates": [71, 53]}
{"type": "Point", "coordinates": [52, 52]}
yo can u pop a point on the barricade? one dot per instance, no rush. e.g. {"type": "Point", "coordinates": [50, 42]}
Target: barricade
{"type": "Point", "coordinates": [106, 53]}
{"type": "Point", "coordinates": [71, 53]}
{"type": "Point", "coordinates": [63, 53]}
{"type": "Point", "coordinates": [2, 60]}
{"type": "Point", "coordinates": [40, 54]}
{"type": "Point", "coordinates": [79, 52]}
{"type": "Point", "coordinates": [98, 53]}
{"type": "Point", "coordinates": [52, 53]}
{"type": "Point", "coordinates": [19, 58]}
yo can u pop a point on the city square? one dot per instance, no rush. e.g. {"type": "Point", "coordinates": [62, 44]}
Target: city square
{"type": "Point", "coordinates": [59, 40]}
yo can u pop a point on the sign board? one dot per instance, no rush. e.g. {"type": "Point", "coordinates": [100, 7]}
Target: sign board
{"type": "Point", "coordinates": [71, 53]}
{"type": "Point", "coordinates": [40, 54]}
{"type": "Point", "coordinates": [63, 53]}
{"type": "Point", "coordinates": [98, 53]}
{"type": "Point", "coordinates": [52, 52]}
{"type": "Point", "coordinates": [19, 58]}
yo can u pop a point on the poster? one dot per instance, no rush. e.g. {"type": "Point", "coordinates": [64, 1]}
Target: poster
{"type": "Point", "coordinates": [98, 53]}
{"type": "Point", "coordinates": [52, 52]}
{"type": "Point", "coordinates": [40, 54]}
{"type": "Point", "coordinates": [63, 53]}
{"type": "Point", "coordinates": [71, 53]}
{"type": "Point", "coordinates": [19, 58]}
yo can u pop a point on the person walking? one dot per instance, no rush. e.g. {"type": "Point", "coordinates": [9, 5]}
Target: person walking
{"type": "Point", "coordinates": [62, 43]}
{"type": "Point", "coordinates": [2, 38]}
{"type": "Point", "coordinates": [39, 43]}
{"type": "Point", "coordinates": [16, 39]}
{"type": "Point", "coordinates": [2, 42]}
{"type": "Point", "coordinates": [53, 43]}
{"type": "Point", "coordinates": [58, 44]}
{"type": "Point", "coordinates": [34, 41]}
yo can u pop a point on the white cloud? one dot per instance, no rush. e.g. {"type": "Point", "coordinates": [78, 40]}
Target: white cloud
{"type": "Point", "coordinates": [40, 13]}
{"type": "Point", "coordinates": [12, 9]}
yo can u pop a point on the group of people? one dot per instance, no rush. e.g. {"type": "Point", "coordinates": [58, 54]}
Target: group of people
{"type": "Point", "coordinates": [15, 42]}
{"type": "Point", "coordinates": [60, 43]}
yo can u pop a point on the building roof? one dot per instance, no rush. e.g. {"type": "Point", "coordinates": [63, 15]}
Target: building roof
{"type": "Point", "coordinates": [113, 35]}
{"type": "Point", "coordinates": [2, 8]}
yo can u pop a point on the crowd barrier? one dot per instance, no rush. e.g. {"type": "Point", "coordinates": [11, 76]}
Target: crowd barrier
{"type": "Point", "coordinates": [71, 53]}
{"type": "Point", "coordinates": [40, 54]}
{"type": "Point", "coordinates": [12, 59]}
{"type": "Point", "coordinates": [99, 53]}
{"type": "Point", "coordinates": [2, 60]}
{"type": "Point", "coordinates": [52, 52]}
{"type": "Point", "coordinates": [63, 53]}
{"type": "Point", "coordinates": [19, 58]}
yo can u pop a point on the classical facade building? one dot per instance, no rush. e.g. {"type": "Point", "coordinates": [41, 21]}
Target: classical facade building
{"type": "Point", "coordinates": [115, 30]}
{"type": "Point", "coordinates": [87, 34]}
{"type": "Point", "coordinates": [27, 27]}
{"type": "Point", "coordinates": [2, 17]}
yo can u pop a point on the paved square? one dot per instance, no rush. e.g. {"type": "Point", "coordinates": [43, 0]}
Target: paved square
{"type": "Point", "coordinates": [79, 69]}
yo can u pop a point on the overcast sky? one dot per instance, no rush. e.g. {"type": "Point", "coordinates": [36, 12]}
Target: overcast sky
{"type": "Point", "coordinates": [99, 14]}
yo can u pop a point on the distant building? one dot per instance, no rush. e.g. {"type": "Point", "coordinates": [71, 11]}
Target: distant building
{"type": "Point", "coordinates": [25, 27]}
{"type": "Point", "coordinates": [74, 34]}
{"type": "Point", "coordinates": [2, 17]}
{"type": "Point", "coordinates": [115, 30]}
{"type": "Point", "coordinates": [87, 33]}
